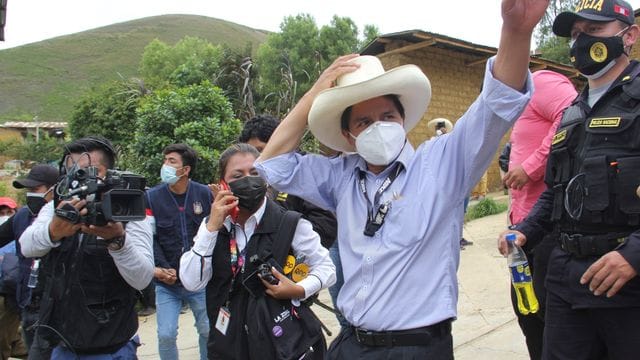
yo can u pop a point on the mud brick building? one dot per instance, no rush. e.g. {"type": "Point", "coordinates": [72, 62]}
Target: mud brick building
{"type": "Point", "coordinates": [455, 69]}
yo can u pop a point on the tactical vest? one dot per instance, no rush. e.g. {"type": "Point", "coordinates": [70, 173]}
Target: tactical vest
{"type": "Point", "coordinates": [176, 229]}
{"type": "Point", "coordinates": [594, 161]}
{"type": "Point", "coordinates": [219, 293]}
{"type": "Point", "coordinates": [86, 300]}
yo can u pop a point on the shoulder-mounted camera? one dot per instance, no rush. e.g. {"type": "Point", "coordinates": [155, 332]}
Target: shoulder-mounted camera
{"type": "Point", "coordinates": [119, 196]}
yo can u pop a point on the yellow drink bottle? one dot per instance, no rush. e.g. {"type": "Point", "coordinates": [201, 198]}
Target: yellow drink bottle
{"type": "Point", "coordinates": [521, 277]}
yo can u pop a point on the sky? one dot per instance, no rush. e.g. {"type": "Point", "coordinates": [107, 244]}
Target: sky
{"type": "Point", "coordinates": [476, 21]}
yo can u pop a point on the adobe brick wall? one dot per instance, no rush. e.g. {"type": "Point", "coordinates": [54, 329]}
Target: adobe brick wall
{"type": "Point", "coordinates": [635, 50]}
{"type": "Point", "coordinates": [454, 87]}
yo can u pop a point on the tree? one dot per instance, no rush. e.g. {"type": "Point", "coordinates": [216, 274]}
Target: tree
{"type": "Point", "coordinates": [290, 61]}
{"type": "Point", "coordinates": [286, 61]}
{"type": "Point", "coordinates": [47, 149]}
{"type": "Point", "coordinates": [190, 61]}
{"type": "Point", "coordinates": [236, 79]}
{"type": "Point", "coordinates": [108, 110]}
{"type": "Point", "coordinates": [370, 32]}
{"type": "Point", "coordinates": [198, 115]}
{"type": "Point", "coordinates": [337, 39]}
{"type": "Point", "coordinates": [549, 45]}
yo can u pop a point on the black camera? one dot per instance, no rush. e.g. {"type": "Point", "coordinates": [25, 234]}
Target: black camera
{"type": "Point", "coordinates": [264, 271]}
{"type": "Point", "coordinates": [440, 125]}
{"type": "Point", "coordinates": [119, 196]}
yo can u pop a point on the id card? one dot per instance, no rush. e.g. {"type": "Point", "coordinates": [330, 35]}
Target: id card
{"type": "Point", "coordinates": [222, 323]}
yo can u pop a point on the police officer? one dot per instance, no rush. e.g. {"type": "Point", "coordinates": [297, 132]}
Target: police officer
{"type": "Point", "coordinates": [593, 171]}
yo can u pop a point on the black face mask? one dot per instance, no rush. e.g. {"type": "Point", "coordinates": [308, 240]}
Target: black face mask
{"type": "Point", "coordinates": [591, 55]}
{"type": "Point", "coordinates": [250, 191]}
{"type": "Point", "coordinates": [35, 203]}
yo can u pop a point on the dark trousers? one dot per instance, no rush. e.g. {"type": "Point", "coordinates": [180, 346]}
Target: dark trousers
{"type": "Point", "coordinates": [39, 348]}
{"type": "Point", "coordinates": [345, 346]}
{"type": "Point", "coordinates": [532, 325]}
{"type": "Point", "coordinates": [590, 334]}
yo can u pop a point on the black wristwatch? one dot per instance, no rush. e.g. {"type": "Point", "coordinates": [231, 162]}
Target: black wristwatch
{"type": "Point", "coordinates": [116, 243]}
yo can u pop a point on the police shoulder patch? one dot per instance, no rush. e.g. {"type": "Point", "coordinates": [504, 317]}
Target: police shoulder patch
{"type": "Point", "coordinates": [559, 137]}
{"type": "Point", "coordinates": [282, 196]}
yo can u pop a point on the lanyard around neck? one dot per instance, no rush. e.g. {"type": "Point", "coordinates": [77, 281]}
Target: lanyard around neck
{"type": "Point", "coordinates": [375, 221]}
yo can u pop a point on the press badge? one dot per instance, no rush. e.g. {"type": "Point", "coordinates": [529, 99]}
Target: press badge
{"type": "Point", "coordinates": [222, 323]}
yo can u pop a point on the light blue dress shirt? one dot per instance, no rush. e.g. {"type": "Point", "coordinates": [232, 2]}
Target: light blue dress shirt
{"type": "Point", "coordinates": [404, 277]}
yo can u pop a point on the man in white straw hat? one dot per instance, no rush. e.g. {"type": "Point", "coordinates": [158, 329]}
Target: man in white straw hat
{"type": "Point", "coordinates": [399, 210]}
{"type": "Point", "coordinates": [441, 126]}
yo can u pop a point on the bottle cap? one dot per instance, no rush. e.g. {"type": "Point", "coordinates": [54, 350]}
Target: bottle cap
{"type": "Point", "coordinates": [510, 237]}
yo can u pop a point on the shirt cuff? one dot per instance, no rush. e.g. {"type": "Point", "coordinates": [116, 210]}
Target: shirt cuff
{"type": "Point", "coordinates": [535, 171]}
{"type": "Point", "coordinates": [46, 238]}
{"type": "Point", "coordinates": [503, 100]}
{"type": "Point", "coordinates": [311, 285]}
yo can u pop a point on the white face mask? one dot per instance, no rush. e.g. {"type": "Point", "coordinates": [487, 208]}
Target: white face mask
{"type": "Point", "coordinates": [4, 218]}
{"type": "Point", "coordinates": [381, 142]}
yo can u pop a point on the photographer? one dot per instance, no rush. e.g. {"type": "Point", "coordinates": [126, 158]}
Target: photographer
{"type": "Point", "coordinates": [90, 270]}
{"type": "Point", "coordinates": [242, 227]}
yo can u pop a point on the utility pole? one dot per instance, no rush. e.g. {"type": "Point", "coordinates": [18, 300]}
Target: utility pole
{"type": "Point", "coordinates": [35, 119]}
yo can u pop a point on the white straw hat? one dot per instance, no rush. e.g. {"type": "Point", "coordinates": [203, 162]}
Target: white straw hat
{"type": "Point", "coordinates": [370, 80]}
{"type": "Point", "coordinates": [447, 124]}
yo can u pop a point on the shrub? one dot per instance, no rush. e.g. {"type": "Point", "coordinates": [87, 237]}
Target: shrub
{"type": "Point", "coordinates": [197, 115]}
{"type": "Point", "coordinates": [47, 149]}
{"type": "Point", "coordinates": [484, 208]}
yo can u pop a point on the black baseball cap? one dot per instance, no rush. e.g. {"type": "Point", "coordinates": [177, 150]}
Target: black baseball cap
{"type": "Point", "coordinates": [41, 174]}
{"type": "Point", "coordinates": [605, 10]}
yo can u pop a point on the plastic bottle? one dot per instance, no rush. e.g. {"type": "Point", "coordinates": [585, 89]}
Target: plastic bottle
{"type": "Point", "coordinates": [33, 275]}
{"type": "Point", "coordinates": [521, 277]}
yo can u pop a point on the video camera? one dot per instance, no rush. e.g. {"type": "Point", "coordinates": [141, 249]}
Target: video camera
{"type": "Point", "coordinates": [440, 125]}
{"type": "Point", "coordinates": [119, 196]}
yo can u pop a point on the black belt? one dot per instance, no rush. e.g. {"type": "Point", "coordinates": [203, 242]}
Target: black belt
{"type": "Point", "coordinates": [591, 245]}
{"type": "Point", "coordinates": [413, 337]}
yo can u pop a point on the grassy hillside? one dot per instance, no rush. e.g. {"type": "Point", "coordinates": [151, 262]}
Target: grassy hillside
{"type": "Point", "coordinates": [46, 78]}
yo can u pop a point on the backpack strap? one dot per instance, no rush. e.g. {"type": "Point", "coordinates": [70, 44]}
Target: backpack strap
{"type": "Point", "coordinates": [284, 235]}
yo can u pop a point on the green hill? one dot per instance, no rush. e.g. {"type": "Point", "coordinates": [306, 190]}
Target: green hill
{"type": "Point", "coordinates": [47, 77]}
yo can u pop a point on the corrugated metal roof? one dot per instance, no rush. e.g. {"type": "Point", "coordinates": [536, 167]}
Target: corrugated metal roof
{"type": "Point", "coordinates": [417, 39]}
{"type": "Point", "coordinates": [33, 125]}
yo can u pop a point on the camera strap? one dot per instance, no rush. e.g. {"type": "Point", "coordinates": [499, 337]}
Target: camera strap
{"type": "Point", "coordinates": [375, 221]}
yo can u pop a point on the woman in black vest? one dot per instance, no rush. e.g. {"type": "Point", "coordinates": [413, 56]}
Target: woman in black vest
{"type": "Point", "coordinates": [232, 243]}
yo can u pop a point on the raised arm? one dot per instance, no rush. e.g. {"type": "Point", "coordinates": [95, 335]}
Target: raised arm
{"type": "Point", "coordinates": [519, 18]}
{"type": "Point", "coordinates": [287, 135]}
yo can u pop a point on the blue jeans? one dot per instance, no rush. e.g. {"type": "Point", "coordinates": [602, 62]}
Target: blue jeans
{"type": "Point", "coordinates": [334, 254]}
{"type": "Point", "coordinates": [168, 304]}
{"type": "Point", "coordinates": [127, 352]}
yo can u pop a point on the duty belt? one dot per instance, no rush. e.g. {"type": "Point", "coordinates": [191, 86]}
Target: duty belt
{"type": "Point", "coordinates": [414, 337]}
{"type": "Point", "coordinates": [591, 245]}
